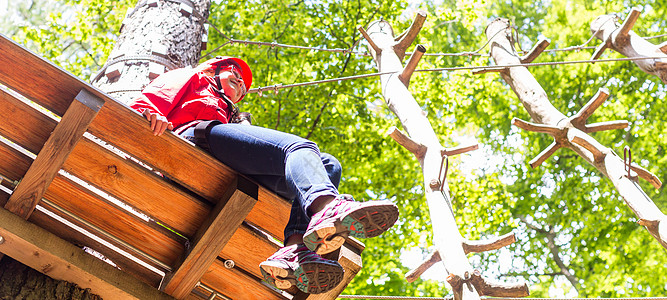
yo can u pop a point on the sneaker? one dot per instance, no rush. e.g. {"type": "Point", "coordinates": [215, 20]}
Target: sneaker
{"type": "Point", "coordinates": [296, 265]}
{"type": "Point", "coordinates": [345, 217]}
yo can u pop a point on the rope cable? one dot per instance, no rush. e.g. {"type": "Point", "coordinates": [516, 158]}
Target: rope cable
{"type": "Point", "coordinates": [281, 86]}
{"type": "Point", "coordinates": [349, 50]}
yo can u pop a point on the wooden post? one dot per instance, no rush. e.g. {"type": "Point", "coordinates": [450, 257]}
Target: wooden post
{"type": "Point", "coordinates": [212, 236]}
{"type": "Point", "coordinates": [54, 153]}
{"type": "Point", "coordinates": [422, 141]}
{"type": "Point", "coordinates": [572, 132]}
{"type": "Point", "coordinates": [59, 259]}
{"type": "Point", "coordinates": [622, 39]}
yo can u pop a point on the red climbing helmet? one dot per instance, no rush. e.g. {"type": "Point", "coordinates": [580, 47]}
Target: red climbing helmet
{"type": "Point", "coordinates": [211, 66]}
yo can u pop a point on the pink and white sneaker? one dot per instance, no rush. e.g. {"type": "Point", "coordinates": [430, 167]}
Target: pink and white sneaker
{"type": "Point", "coordinates": [345, 217]}
{"type": "Point", "coordinates": [297, 265]}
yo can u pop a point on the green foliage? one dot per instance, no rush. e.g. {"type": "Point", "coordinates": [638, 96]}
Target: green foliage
{"type": "Point", "coordinates": [494, 190]}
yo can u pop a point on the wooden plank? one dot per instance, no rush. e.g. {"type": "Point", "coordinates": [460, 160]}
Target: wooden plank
{"type": "Point", "coordinates": [168, 153]}
{"type": "Point", "coordinates": [247, 250]}
{"type": "Point", "coordinates": [272, 212]}
{"type": "Point", "coordinates": [138, 187]}
{"type": "Point", "coordinates": [160, 244]}
{"type": "Point", "coordinates": [214, 234]}
{"type": "Point", "coordinates": [237, 285]}
{"type": "Point", "coordinates": [58, 259]}
{"type": "Point", "coordinates": [37, 78]}
{"type": "Point", "coordinates": [109, 172]}
{"type": "Point", "coordinates": [17, 118]}
{"type": "Point", "coordinates": [65, 232]}
{"type": "Point", "coordinates": [119, 223]}
{"type": "Point", "coordinates": [205, 175]}
{"type": "Point", "coordinates": [56, 149]}
{"type": "Point", "coordinates": [13, 163]}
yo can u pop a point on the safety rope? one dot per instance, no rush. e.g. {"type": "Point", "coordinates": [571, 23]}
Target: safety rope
{"type": "Point", "coordinates": [150, 58]}
{"type": "Point", "coordinates": [274, 44]}
{"type": "Point", "coordinates": [350, 51]}
{"type": "Point", "coordinates": [276, 87]}
{"type": "Point", "coordinates": [486, 298]}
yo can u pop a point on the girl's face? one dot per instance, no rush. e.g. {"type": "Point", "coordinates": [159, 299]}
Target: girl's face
{"type": "Point", "coordinates": [232, 83]}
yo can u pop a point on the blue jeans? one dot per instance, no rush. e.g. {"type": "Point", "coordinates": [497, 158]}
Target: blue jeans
{"type": "Point", "coordinates": [290, 166]}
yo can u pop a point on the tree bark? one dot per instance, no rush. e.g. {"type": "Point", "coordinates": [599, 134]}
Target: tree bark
{"type": "Point", "coordinates": [572, 132]}
{"type": "Point", "coordinates": [622, 39]}
{"type": "Point", "coordinates": [18, 281]}
{"type": "Point", "coordinates": [156, 36]}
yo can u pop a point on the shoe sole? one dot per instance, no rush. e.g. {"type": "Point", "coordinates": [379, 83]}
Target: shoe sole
{"type": "Point", "coordinates": [365, 222]}
{"type": "Point", "coordinates": [311, 278]}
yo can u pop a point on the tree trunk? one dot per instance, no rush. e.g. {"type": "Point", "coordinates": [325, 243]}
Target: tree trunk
{"type": "Point", "coordinates": [572, 132]}
{"type": "Point", "coordinates": [20, 282]}
{"type": "Point", "coordinates": [156, 36]}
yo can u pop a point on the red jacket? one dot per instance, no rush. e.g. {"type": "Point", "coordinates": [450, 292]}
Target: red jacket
{"type": "Point", "coordinates": [183, 96]}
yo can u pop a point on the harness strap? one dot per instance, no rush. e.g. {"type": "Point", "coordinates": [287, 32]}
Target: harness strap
{"type": "Point", "coordinates": [202, 131]}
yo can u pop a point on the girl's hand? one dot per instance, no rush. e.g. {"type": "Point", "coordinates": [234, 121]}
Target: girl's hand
{"type": "Point", "coordinates": [159, 123]}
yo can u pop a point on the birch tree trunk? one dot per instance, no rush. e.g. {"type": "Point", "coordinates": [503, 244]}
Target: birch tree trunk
{"type": "Point", "coordinates": [572, 132]}
{"type": "Point", "coordinates": [446, 236]}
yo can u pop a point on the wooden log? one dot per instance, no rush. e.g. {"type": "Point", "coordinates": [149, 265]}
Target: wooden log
{"type": "Point", "coordinates": [535, 100]}
{"type": "Point", "coordinates": [52, 156]}
{"type": "Point", "coordinates": [498, 289]}
{"type": "Point", "coordinates": [410, 34]}
{"type": "Point", "coordinates": [402, 139]}
{"type": "Point", "coordinates": [546, 153]}
{"type": "Point", "coordinates": [446, 236]}
{"type": "Point", "coordinates": [536, 51]}
{"type": "Point", "coordinates": [459, 149]}
{"type": "Point", "coordinates": [528, 126]}
{"type": "Point", "coordinates": [621, 39]}
{"type": "Point", "coordinates": [412, 64]}
{"type": "Point", "coordinates": [603, 126]}
{"type": "Point", "coordinates": [579, 119]}
{"type": "Point", "coordinates": [489, 244]}
{"type": "Point", "coordinates": [372, 44]}
{"type": "Point", "coordinates": [468, 246]}
{"type": "Point", "coordinates": [212, 237]}
{"type": "Point", "coordinates": [52, 256]}
{"type": "Point", "coordinates": [415, 273]}
{"type": "Point", "coordinates": [630, 20]}
{"type": "Point", "coordinates": [663, 47]}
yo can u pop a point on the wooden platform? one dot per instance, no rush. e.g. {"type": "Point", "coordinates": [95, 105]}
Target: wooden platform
{"type": "Point", "coordinates": [85, 172]}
